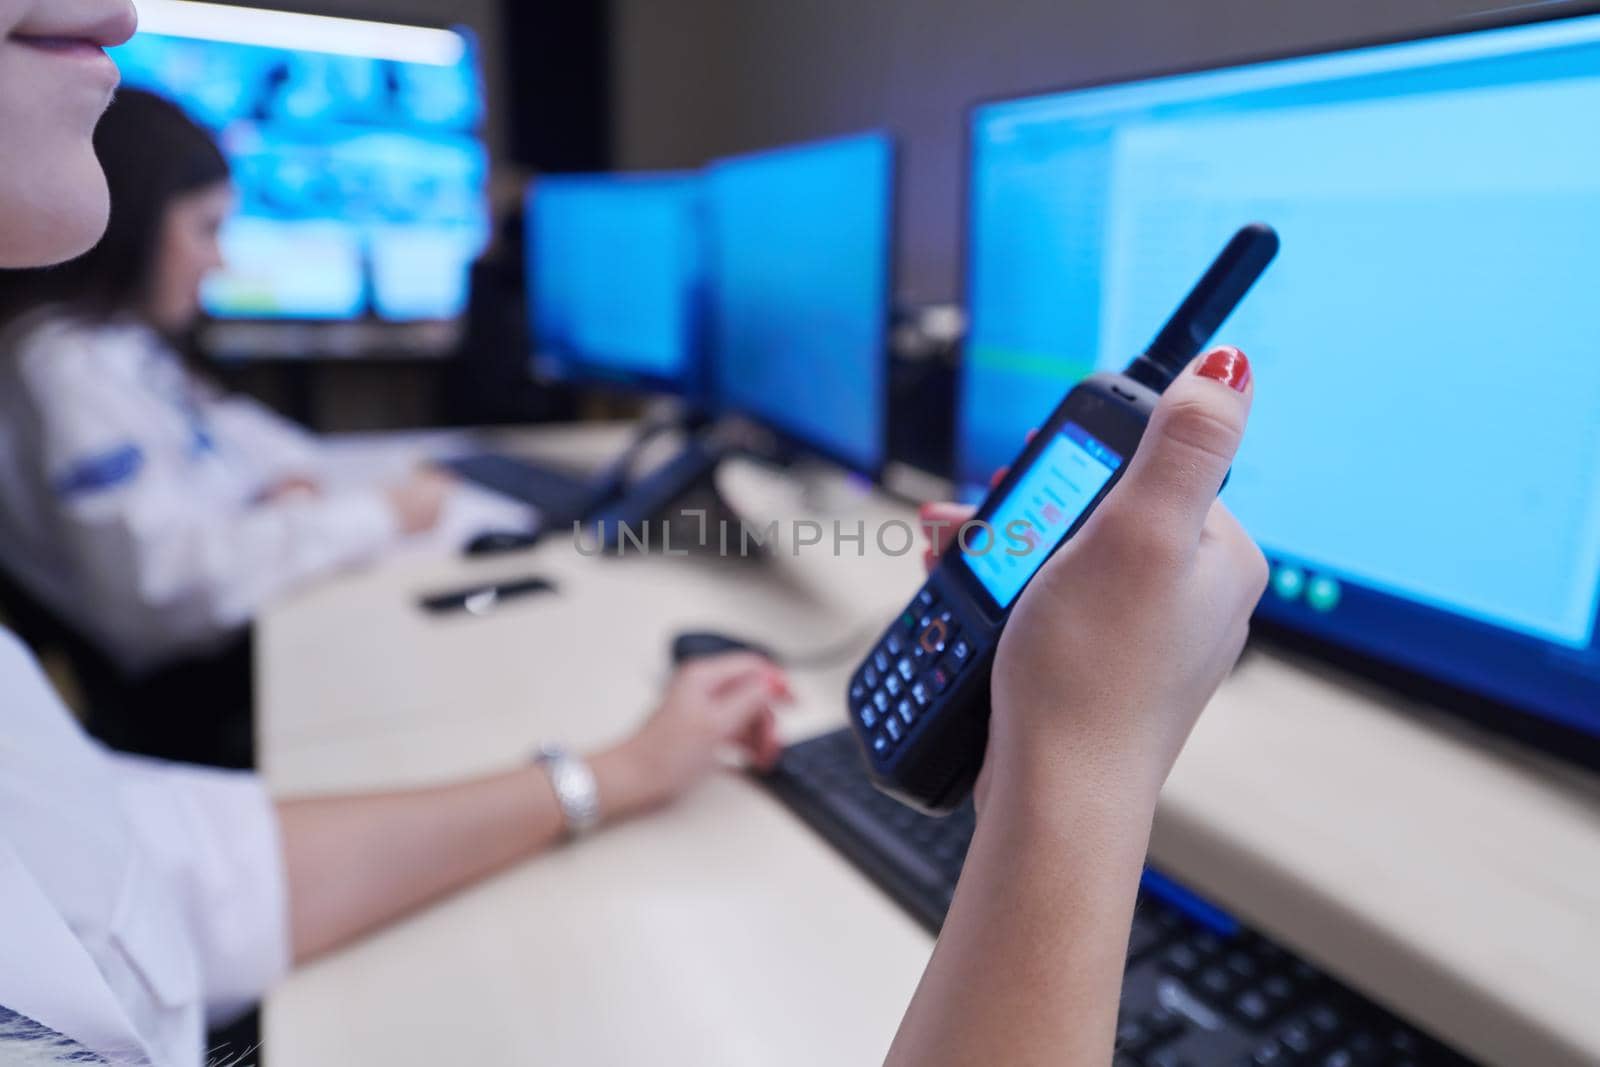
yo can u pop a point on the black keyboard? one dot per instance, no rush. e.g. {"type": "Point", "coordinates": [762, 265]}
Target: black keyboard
{"type": "Point", "coordinates": [1200, 989]}
{"type": "Point", "coordinates": [559, 497]}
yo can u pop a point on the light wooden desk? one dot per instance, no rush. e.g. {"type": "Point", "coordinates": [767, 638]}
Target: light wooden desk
{"type": "Point", "coordinates": [1458, 884]}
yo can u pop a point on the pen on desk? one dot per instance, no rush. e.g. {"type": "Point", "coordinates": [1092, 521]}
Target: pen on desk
{"type": "Point", "coordinates": [483, 600]}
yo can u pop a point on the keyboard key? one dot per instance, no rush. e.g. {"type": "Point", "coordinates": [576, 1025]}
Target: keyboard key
{"type": "Point", "coordinates": [906, 710]}
{"type": "Point", "coordinates": [907, 669]}
{"type": "Point", "coordinates": [1132, 1036]}
{"type": "Point", "coordinates": [895, 642]}
{"type": "Point", "coordinates": [1145, 936]}
{"type": "Point", "coordinates": [1182, 959]}
{"type": "Point", "coordinates": [1252, 1008]}
{"type": "Point", "coordinates": [1404, 1041]}
{"type": "Point", "coordinates": [926, 600]}
{"type": "Point", "coordinates": [1163, 1022]}
{"type": "Point", "coordinates": [1216, 983]}
{"type": "Point", "coordinates": [1325, 1019]}
{"type": "Point", "coordinates": [939, 678]}
{"type": "Point", "coordinates": [881, 699]}
{"type": "Point", "coordinates": [1278, 989]}
{"type": "Point", "coordinates": [870, 678]}
{"type": "Point", "coordinates": [893, 685]}
{"type": "Point", "coordinates": [1296, 1037]}
{"type": "Point", "coordinates": [1272, 1054]}
{"type": "Point", "coordinates": [868, 715]}
{"type": "Point", "coordinates": [1363, 1046]}
{"type": "Point", "coordinates": [858, 691]}
{"type": "Point", "coordinates": [920, 693]}
{"type": "Point", "coordinates": [880, 660]}
{"type": "Point", "coordinates": [908, 621]}
{"type": "Point", "coordinates": [880, 744]}
{"type": "Point", "coordinates": [891, 726]}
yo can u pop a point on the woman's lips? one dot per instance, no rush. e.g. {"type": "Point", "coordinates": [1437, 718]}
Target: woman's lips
{"type": "Point", "coordinates": [66, 46]}
{"type": "Point", "coordinates": [88, 54]}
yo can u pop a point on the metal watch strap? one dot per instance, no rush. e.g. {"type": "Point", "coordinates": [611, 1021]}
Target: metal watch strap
{"type": "Point", "coordinates": [577, 793]}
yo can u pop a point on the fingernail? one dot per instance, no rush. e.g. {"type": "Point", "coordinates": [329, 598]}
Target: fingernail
{"type": "Point", "coordinates": [1227, 365]}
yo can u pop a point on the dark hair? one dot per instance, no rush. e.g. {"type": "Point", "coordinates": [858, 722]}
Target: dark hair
{"type": "Point", "coordinates": [152, 154]}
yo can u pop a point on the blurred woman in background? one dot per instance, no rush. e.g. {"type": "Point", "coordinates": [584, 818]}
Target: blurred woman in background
{"type": "Point", "coordinates": [149, 511]}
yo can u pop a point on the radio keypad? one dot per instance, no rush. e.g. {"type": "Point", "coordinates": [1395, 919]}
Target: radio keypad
{"type": "Point", "coordinates": [921, 655]}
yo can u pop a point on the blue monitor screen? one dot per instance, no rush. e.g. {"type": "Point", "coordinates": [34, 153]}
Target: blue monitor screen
{"type": "Point", "coordinates": [1423, 462]}
{"type": "Point", "coordinates": [799, 243]}
{"type": "Point", "coordinates": [615, 269]}
{"type": "Point", "coordinates": [361, 179]}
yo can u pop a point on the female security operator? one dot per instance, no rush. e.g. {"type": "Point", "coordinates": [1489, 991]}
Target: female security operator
{"type": "Point", "coordinates": [141, 895]}
{"type": "Point", "coordinates": [151, 512]}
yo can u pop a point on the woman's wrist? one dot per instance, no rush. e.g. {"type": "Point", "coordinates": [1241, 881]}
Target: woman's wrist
{"type": "Point", "coordinates": [626, 782]}
{"type": "Point", "coordinates": [1068, 776]}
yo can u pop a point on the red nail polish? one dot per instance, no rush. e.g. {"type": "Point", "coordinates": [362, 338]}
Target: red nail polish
{"type": "Point", "coordinates": [1227, 365]}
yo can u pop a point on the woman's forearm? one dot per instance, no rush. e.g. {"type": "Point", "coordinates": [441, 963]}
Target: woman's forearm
{"type": "Point", "coordinates": [355, 863]}
{"type": "Point", "coordinates": [1028, 965]}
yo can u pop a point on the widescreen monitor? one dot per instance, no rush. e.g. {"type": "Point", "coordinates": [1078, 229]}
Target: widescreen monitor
{"type": "Point", "coordinates": [1423, 462]}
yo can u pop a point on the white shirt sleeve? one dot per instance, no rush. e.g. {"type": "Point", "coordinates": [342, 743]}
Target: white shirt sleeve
{"type": "Point", "coordinates": [277, 447]}
{"type": "Point", "coordinates": [215, 834]}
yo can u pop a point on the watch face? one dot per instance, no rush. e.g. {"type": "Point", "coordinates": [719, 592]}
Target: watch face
{"type": "Point", "coordinates": [577, 793]}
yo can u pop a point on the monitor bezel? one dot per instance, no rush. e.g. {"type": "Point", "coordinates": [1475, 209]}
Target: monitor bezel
{"type": "Point", "coordinates": [694, 385]}
{"type": "Point", "coordinates": [1518, 722]}
{"type": "Point", "coordinates": [787, 436]}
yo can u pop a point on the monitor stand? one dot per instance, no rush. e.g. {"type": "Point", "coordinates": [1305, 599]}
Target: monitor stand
{"type": "Point", "coordinates": [676, 509]}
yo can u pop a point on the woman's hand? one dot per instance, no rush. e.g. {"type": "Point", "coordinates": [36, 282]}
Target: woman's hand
{"type": "Point", "coordinates": [711, 705]}
{"type": "Point", "coordinates": [1120, 640]}
{"type": "Point", "coordinates": [419, 501]}
{"type": "Point", "coordinates": [1123, 636]}
{"type": "Point", "coordinates": [293, 487]}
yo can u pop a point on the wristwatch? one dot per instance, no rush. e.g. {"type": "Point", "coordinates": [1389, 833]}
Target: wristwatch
{"type": "Point", "coordinates": [577, 793]}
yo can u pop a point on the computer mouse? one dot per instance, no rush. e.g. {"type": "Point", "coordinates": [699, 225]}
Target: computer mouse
{"type": "Point", "coordinates": [698, 644]}
{"type": "Point", "coordinates": [496, 542]}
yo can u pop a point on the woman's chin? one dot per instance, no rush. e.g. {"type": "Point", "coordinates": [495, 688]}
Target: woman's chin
{"type": "Point", "coordinates": [63, 223]}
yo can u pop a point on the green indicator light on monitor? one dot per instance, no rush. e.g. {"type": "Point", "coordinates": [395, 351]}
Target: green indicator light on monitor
{"type": "Point", "coordinates": [1323, 593]}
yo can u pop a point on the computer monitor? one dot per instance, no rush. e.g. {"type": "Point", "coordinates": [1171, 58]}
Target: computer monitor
{"type": "Point", "coordinates": [800, 272]}
{"type": "Point", "coordinates": [1423, 463]}
{"type": "Point", "coordinates": [355, 149]}
{"type": "Point", "coordinates": [616, 268]}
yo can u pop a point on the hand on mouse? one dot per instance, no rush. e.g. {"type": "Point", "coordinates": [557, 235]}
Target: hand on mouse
{"type": "Point", "coordinates": [719, 703]}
